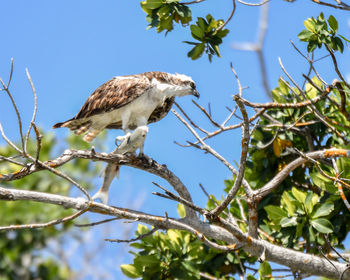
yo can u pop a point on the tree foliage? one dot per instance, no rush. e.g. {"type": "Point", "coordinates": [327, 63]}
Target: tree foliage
{"type": "Point", "coordinates": [287, 197]}
{"type": "Point", "coordinates": [19, 249]}
{"type": "Point", "coordinates": [208, 31]}
{"type": "Point", "coordinates": [305, 212]}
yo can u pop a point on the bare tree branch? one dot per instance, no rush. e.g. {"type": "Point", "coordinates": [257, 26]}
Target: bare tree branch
{"type": "Point", "coordinates": [294, 259]}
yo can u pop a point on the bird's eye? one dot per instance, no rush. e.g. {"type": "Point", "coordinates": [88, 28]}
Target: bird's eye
{"type": "Point", "coordinates": [192, 85]}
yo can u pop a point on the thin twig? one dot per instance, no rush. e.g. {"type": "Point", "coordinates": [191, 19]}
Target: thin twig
{"type": "Point", "coordinates": [244, 153]}
{"type": "Point", "coordinates": [12, 161]}
{"type": "Point", "coordinates": [11, 73]}
{"type": "Point", "coordinates": [189, 119]}
{"type": "Point", "coordinates": [177, 198]}
{"type": "Point", "coordinates": [343, 7]}
{"type": "Point", "coordinates": [229, 18]}
{"type": "Point", "coordinates": [16, 110]}
{"type": "Point", "coordinates": [38, 141]}
{"type": "Point", "coordinates": [286, 105]}
{"type": "Point", "coordinates": [97, 223]}
{"type": "Point", "coordinates": [9, 141]}
{"type": "Point", "coordinates": [254, 4]}
{"type": "Point", "coordinates": [192, 2]}
{"type": "Point", "coordinates": [133, 239]}
{"type": "Point", "coordinates": [43, 225]}
{"type": "Point", "coordinates": [207, 114]}
{"type": "Point", "coordinates": [34, 111]}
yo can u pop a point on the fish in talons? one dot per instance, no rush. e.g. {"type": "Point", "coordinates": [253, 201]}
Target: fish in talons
{"type": "Point", "coordinates": [130, 143]}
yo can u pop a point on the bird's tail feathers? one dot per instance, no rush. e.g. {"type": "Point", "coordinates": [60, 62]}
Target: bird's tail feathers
{"type": "Point", "coordinates": [79, 127]}
{"type": "Point", "coordinates": [91, 135]}
{"type": "Point", "coordinates": [58, 125]}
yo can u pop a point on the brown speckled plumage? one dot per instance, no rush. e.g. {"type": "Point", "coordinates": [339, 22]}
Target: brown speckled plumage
{"type": "Point", "coordinates": [117, 93]}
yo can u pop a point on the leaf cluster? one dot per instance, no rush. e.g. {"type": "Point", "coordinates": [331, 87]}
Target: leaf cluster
{"type": "Point", "coordinates": [20, 246]}
{"type": "Point", "coordinates": [300, 218]}
{"type": "Point", "coordinates": [302, 212]}
{"type": "Point", "coordinates": [301, 215]}
{"type": "Point", "coordinates": [208, 32]}
{"type": "Point", "coordinates": [162, 14]}
{"type": "Point", "coordinates": [179, 255]}
{"type": "Point", "coordinates": [320, 32]}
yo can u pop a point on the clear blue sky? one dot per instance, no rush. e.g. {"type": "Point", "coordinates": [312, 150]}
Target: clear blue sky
{"type": "Point", "coordinates": [72, 47]}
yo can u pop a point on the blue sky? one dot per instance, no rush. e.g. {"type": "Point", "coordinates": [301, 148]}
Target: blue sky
{"type": "Point", "coordinates": [72, 47]}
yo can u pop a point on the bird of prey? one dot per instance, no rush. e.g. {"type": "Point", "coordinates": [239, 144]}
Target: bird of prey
{"type": "Point", "coordinates": [127, 102]}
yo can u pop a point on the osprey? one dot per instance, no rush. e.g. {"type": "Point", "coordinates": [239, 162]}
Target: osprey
{"type": "Point", "coordinates": [128, 102]}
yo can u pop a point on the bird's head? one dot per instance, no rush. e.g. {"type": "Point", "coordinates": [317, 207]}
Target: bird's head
{"type": "Point", "coordinates": [188, 84]}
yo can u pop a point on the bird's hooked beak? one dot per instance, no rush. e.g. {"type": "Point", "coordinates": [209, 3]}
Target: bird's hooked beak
{"type": "Point", "coordinates": [195, 93]}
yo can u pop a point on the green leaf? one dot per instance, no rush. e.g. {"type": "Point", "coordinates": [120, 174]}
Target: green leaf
{"type": "Point", "coordinates": [299, 195]}
{"type": "Point", "coordinates": [166, 24]}
{"type": "Point", "coordinates": [310, 25]}
{"type": "Point", "coordinates": [311, 46]}
{"type": "Point", "coordinates": [265, 270]}
{"type": "Point", "coordinates": [164, 11]}
{"type": "Point", "coordinates": [322, 225]}
{"type": "Point", "coordinates": [141, 229]}
{"type": "Point", "coordinates": [190, 43]}
{"type": "Point", "coordinates": [130, 271]}
{"type": "Point", "coordinates": [310, 90]}
{"type": "Point", "coordinates": [230, 257]}
{"type": "Point", "coordinates": [312, 235]}
{"type": "Point", "coordinates": [197, 51]}
{"type": "Point", "coordinates": [216, 49]}
{"type": "Point", "coordinates": [325, 209]}
{"type": "Point", "coordinates": [197, 32]}
{"type": "Point", "coordinates": [275, 212]}
{"type": "Point", "coordinates": [222, 33]}
{"type": "Point", "coordinates": [191, 267]}
{"type": "Point", "coordinates": [305, 35]}
{"type": "Point", "coordinates": [201, 22]}
{"type": "Point", "coordinates": [152, 4]}
{"type": "Point", "coordinates": [321, 17]}
{"type": "Point", "coordinates": [181, 210]}
{"type": "Point", "coordinates": [146, 260]}
{"type": "Point", "coordinates": [300, 225]}
{"type": "Point", "coordinates": [288, 222]}
{"type": "Point", "coordinates": [309, 202]}
{"type": "Point", "coordinates": [339, 44]}
{"type": "Point", "coordinates": [323, 182]}
{"type": "Point", "coordinates": [333, 23]}
{"type": "Point", "coordinates": [174, 236]}
{"type": "Point", "coordinates": [287, 201]}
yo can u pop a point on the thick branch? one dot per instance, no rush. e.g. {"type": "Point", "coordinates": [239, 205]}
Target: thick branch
{"type": "Point", "coordinates": [277, 180]}
{"type": "Point", "coordinates": [142, 163]}
{"type": "Point", "coordinates": [295, 260]}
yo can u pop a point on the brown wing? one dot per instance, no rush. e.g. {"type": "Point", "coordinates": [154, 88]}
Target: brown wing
{"type": "Point", "coordinates": [114, 94]}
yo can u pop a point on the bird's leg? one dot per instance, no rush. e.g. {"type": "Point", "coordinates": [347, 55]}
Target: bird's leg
{"type": "Point", "coordinates": [142, 125]}
{"type": "Point", "coordinates": [125, 124]}
{"type": "Point", "coordinates": [125, 127]}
